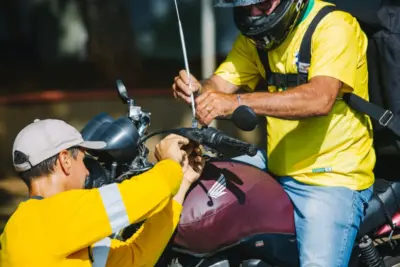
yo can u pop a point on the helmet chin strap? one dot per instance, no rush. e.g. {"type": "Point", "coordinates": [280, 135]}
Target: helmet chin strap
{"type": "Point", "coordinates": [261, 44]}
{"type": "Point", "coordinates": [266, 41]}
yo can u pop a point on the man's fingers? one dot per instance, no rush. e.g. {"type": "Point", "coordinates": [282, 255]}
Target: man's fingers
{"type": "Point", "coordinates": [184, 76]}
{"type": "Point", "coordinates": [205, 117]}
{"type": "Point", "coordinates": [201, 98]}
{"type": "Point", "coordinates": [174, 92]}
{"type": "Point", "coordinates": [183, 87]}
{"type": "Point", "coordinates": [198, 167]}
{"type": "Point", "coordinates": [205, 105]}
{"type": "Point", "coordinates": [204, 111]}
{"type": "Point", "coordinates": [189, 148]}
{"type": "Point", "coordinates": [198, 159]}
{"type": "Point", "coordinates": [184, 159]}
{"type": "Point", "coordinates": [184, 97]}
{"type": "Point", "coordinates": [197, 150]}
{"type": "Point", "coordinates": [182, 141]}
{"type": "Point", "coordinates": [181, 96]}
{"type": "Point", "coordinates": [210, 117]}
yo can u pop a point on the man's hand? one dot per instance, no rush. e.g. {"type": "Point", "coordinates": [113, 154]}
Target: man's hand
{"type": "Point", "coordinates": [193, 163]}
{"type": "Point", "coordinates": [212, 104]}
{"type": "Point", "coordinates": [181, 89]}
{"type": "Point", "coordinates": [171, 148]}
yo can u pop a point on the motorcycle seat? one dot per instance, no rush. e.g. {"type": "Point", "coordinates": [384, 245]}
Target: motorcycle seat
{"type": "Point", "coordinates": [383, 204]}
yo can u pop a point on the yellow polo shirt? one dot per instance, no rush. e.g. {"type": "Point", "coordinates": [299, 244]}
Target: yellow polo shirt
{"type": "Point", "coordinates": [334, 150]}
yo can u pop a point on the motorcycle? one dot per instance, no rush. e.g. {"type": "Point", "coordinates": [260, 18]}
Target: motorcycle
{"type": "Point", "coordinates": [236, 214]}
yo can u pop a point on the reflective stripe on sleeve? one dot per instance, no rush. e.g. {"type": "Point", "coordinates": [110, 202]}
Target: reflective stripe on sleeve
{"type": "Point", "coordinates": [100, 252]}
{"type": "Point", "coordinates": [114, 206]}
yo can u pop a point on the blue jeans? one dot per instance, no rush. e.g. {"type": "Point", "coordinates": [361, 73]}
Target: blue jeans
{"type": "Point", "coordinates": [327, 219]}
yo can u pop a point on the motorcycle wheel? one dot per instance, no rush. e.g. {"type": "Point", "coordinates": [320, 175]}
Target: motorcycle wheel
{"type": "Point", "coordinates": [392, 262]}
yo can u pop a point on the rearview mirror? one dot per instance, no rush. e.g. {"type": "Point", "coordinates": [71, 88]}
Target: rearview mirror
{"type": "Point", "coordinates": [244, 118]}
{"type": "Point", "coordinates": [123, 93]}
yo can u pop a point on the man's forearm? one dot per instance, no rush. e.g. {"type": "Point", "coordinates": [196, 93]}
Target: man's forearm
{"type": "Point", "coordinates": [207, 84]}
{"type": "Point", "coordinates": [180, 196]}
{"type": "Point", "coordinates": [303, 101]}
{"type": "Point", "coordinates": [218, 84]}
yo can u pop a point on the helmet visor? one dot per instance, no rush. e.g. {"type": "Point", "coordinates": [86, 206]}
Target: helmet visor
{"type": "Point", "coordinates": [235, 3]}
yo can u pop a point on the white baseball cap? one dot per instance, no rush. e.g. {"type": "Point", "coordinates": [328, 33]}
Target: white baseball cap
{"type": "Point", "coordinates": [44, 139]}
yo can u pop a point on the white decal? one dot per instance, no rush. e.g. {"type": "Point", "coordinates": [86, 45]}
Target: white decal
{"type": "Point", "coordinates": [218, 189]}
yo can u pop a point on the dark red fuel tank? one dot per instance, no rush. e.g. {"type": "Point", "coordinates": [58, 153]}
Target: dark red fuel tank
{"type": "Point", "coordinates": [232, 201]}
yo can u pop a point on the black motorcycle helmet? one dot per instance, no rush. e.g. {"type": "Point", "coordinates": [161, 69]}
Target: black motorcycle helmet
{"type": "Point", "coordinates": [267, 31]}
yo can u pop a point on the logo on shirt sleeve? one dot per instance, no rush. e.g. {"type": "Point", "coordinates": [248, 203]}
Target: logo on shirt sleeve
{"type": "Point", "coordinates": [301, 67]}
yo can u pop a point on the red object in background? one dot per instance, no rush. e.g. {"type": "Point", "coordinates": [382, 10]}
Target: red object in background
{"type": "Point", "coordinates": [387, 229]}
{"type": "Point", "coordinates": [59, 95]}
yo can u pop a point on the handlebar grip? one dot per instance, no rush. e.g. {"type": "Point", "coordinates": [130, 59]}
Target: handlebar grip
{"type": "Point", "coordinates": [236, 144]}
{"type": "Point", "coordinates": [246, 148]}
{"type": "Point", "coordinates": [217, 139]}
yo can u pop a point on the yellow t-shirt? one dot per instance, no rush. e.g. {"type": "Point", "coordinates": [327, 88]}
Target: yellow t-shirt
{"type": "Point", "coordinates": [334, 150]}
{"type": "Point", "coordinates": [71, 229]}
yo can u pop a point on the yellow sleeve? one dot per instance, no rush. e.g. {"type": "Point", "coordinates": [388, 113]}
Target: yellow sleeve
{"type": "Point", "coordinates": [146, 246]}
{"type": "Point", "coordinates": [338, 47]}
{"type": "Point", "coordinates": [76, 219]}
{"type": "Point", "coordinates": [240, 66]}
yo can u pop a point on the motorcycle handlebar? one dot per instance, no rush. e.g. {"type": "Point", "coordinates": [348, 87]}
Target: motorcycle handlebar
{"type": "Point", "coordinates": [216, 139]}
